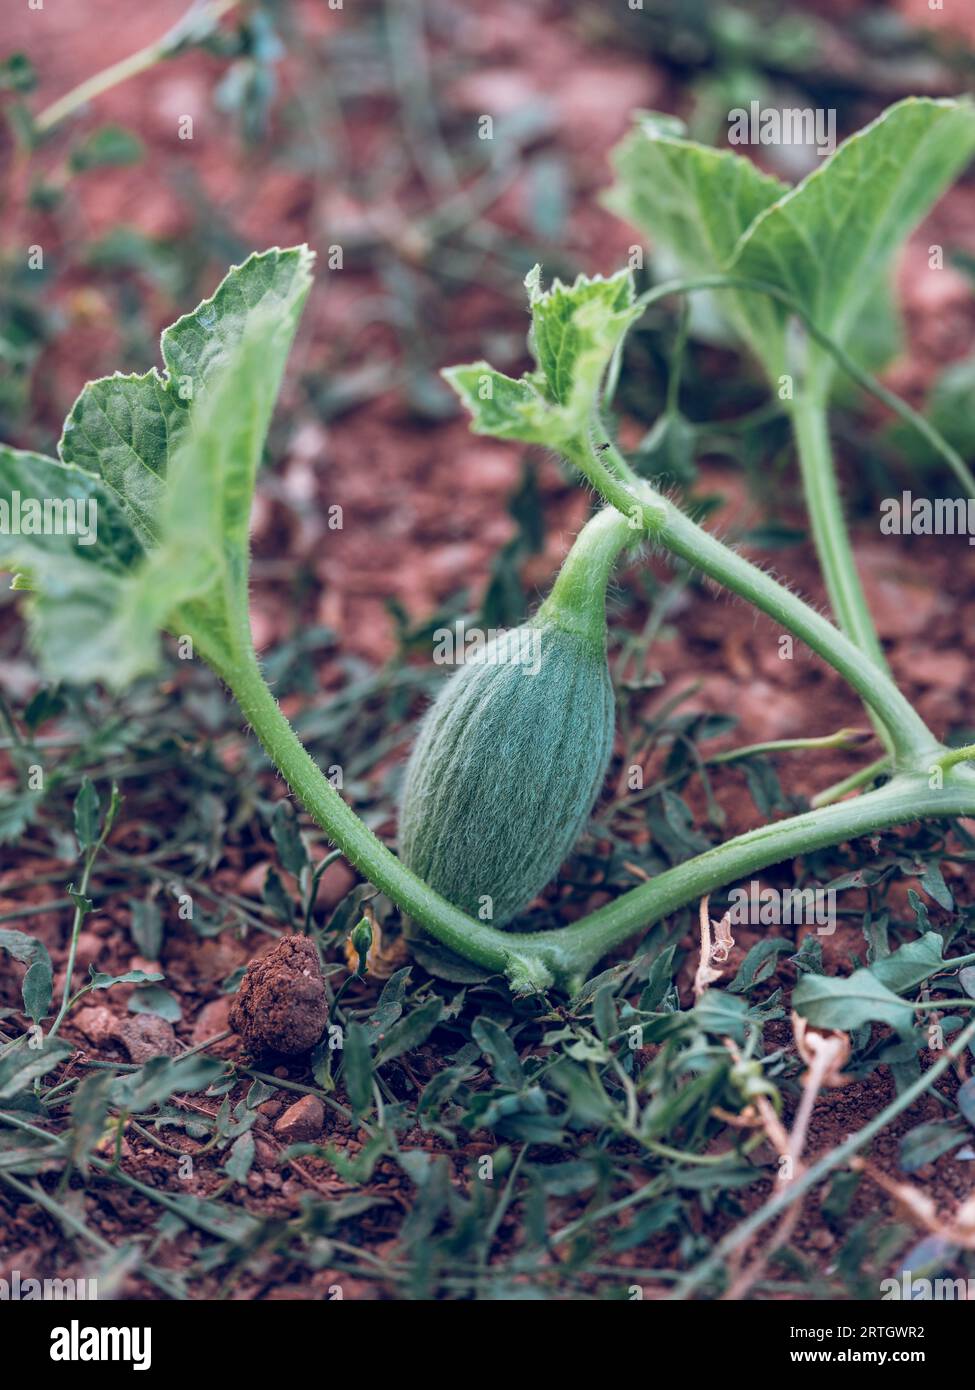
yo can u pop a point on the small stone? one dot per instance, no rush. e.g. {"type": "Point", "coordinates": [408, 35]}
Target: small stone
{"type": "Point", "coordinates": [302, 1121]}
{"type": "Point", "coordinates": [212, 1019]}
{"type": "Point", "coordinates": [98, 1024]}
{"type": "Point", "coordinates": [147, 1035]}
{"type": "Point", "coordinates": [265, 1154]}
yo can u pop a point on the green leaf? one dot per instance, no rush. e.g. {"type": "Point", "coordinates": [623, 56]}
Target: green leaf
{"type": "Point", "coordinates": [86, 819]}
{"type": "Point", "coordinates": [287, 837]}
{"type": "Point", "coordinates": [38, 990]}
{"type": "Point", "coordinates": [759, 964]}
{"type": "Point", "coordinates": [357, 1068]}
{"type": "Point", "coordinates": [170, 459]}
{"type": "Point", "coordinates": [926, 1143]}
{"type": "Point", "coordinates": [99, 980]}
{"type": "Point", "coordinates": [915, 962]}
{"type": "Point", "coordinates": [89, 1111]}
{"type": "Point", "coordinates": [146, 927]}
{"type": "Point", "coordinates": [828, 243]}
{"type": "Point", "coordinates": [849, 1002]}
{"type": "Point", "coordinates": [411, 1031]}
{"type": "Point", "coordinates": [575, 331]}
{"type": "Point", "coordinates": [965, 1100]}
{"type": "Point", "coordinates": [241, 1157]}
{"type": "Point", "coordinates": [75, 561]}
{"type": "Point", "coordinates": [933, 883]}
{"type": "Point", "coordinates": [109, 146]}
{"type": "Point", "coordinates": [16, 813]}
{"type": "Point", "coordinates": [21, 1066]}
{"type": "Point", "coordinates": [693, 203]}
{"type": "Point", "coordinates": [152, 999]}
{"type": "Point", "coordinates": [162, 1077]}
{"type": "Point", "coordinates": [496, 1045]}
{"type": "Point", "coordinates": [38, 983]}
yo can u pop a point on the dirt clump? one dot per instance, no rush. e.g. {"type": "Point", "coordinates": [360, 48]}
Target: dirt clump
{"type": "Point", "coordinates": [281, 1005]}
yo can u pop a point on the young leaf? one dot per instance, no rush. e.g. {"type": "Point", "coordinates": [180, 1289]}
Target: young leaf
{"type": "Point", "coordinates": [575, 331]}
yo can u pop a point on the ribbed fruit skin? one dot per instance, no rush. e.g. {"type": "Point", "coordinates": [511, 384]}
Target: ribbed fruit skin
{"type": "Point", "coordinates": [506, 768]}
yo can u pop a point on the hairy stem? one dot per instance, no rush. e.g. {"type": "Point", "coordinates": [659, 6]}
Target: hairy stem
{"type": "Point", "coordinates": [830, 535]}
{"type": "Point", "coordinates": [914, 744]}
{"type": "Point", "coordinates": [578, 597]}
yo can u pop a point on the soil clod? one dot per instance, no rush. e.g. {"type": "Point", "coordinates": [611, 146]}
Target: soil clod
{"type": "Point", "coordinates": [281, 1005]}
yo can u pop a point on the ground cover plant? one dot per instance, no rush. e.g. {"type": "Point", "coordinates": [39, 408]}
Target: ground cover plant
{"type": "Point", "coordinates": [509, 1062]}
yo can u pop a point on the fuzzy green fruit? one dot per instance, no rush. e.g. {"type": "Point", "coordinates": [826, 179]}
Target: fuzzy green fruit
{"type": "Point", "coordinates": [511, 756]}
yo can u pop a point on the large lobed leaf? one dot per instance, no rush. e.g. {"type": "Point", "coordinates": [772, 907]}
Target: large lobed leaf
{"type": "Point", "coordinates": [170, 459]}
{"type": "Point", "coordinates": [828, 243]}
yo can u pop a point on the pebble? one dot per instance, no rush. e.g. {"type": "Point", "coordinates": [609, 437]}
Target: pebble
{"type": "Point", "coordinates": [302, 1121]}
{"type": "Point", "coordinates": [98, 1024]}
{"type": "Point", "coordinates": [147, 1035]}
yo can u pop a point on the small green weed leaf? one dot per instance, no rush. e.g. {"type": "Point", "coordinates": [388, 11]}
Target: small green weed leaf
{"type": "Point", "coordinates": [287, 837]}
{"type": "Point", "coordinates": [933, 883]}
{"type": "Point", "coordinates": [146, 927]}
{"type": "Point", "coordinates": [162, 1077]}
{"type": "Point", "coordinates": [86, 818]}
{"type": "Point", "coordinates": [496, 1045]}
{"type": "Point", "coordinates": [89, 1112]}
{"type": "Point", "coordinates": [966, 1100]}
{"type": "Point", "coordinates": [38, 983]}
{"type": "Point", "coordinates": [848, 1002]}
{"type": "Point", "coordinates": [38, 990]}
{"type": "Point", "coordinates": [99, 980]}
{"type": "Point", "coordinates": [915, 962]}
{"type": "Point", "coordinates": [241, 1157]}
{"type": "Point", "coordinates": [153, 999]}
{"type": "Point", "coordinates": [357, 1068]}
{"type": "Point", "coordinates": [110, 146]}
{"type": "Point", "coordinates": [926, 1143]}
{"type": "Point", "coordinates": [16, 813]}
{"type": "Point", "coordinates": [410, 1031]}
{"type": "Point", "coordinates": [21, 1066]}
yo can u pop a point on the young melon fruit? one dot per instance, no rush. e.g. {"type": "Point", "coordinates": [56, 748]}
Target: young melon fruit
{"type": "Point", "coordinates": [511, 756]}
